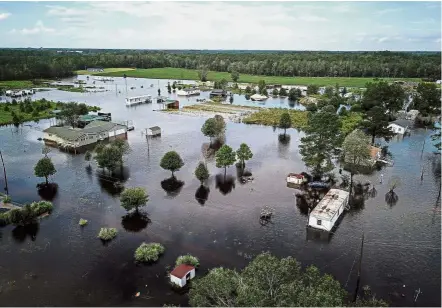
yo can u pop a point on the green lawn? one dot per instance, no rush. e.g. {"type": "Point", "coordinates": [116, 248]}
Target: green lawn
{"type": "Point", "coordinates": [106, 70]}
{"type": "Point", "coordinates": [180, 73]}
{"type": "Point", "coordinates": [16, 84]}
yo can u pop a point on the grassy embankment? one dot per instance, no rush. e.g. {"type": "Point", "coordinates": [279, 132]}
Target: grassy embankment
{"type": "Point", "coordinates": [187, 74]}
{"type": "Point", "coordinates": [41, 109]}
{"type": "Point", "coordinates": [106, 70]}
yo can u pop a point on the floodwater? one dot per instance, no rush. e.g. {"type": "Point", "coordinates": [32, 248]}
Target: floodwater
{"type": "Point", "coordinates": [58, 263]}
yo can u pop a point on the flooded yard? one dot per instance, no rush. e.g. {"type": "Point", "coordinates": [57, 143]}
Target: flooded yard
{"type": "Point", "coordinates": [57, 263]}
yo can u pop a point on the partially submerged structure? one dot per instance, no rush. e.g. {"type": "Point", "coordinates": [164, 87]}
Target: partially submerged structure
{"type": "Point", "coordinates": [399, 126]}
{"type": "Point", "coordinates": [136, 100]}
{"type": "Point", "coordinates": [75, 138]}
{"type": "Point", "coordinates": [188, 92]}
{"type": "Point", "coordinates": [218, 93]}
{"type": "Point", "coordinates": [296, 178]}
{"type": "Point", "coordinates": [154, 131]}
{"type": "Point", "coordinates": [169, 104]}
{"type": "Point", "coordinates": [328, 210]}
{"type": "Point", "coordinates": [181, 274]}
{"type": "Point", "coordinates": [258, 97]}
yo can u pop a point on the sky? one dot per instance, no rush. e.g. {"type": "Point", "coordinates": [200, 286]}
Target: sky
{"type": "Point", "coordinates": [401, 26]}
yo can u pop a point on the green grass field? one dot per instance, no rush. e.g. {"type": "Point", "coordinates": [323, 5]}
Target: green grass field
{"type": "Point", "coordinates": [106, 71]}
{"type": "Point", "coordinates": [181, 74]}
{"type": "Point", "coordinates": [16, 84]}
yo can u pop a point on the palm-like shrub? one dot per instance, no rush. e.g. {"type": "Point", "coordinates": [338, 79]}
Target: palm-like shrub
{"type": "Point", "coordinates": [148, 252]}
{"type": "Point", "coordinates": [187, 259]}
{"type": "Point", "coordinates": [106, 234]}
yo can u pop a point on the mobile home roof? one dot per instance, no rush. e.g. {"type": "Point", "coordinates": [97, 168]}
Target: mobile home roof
{"type": "Point", "coordinates": [330, 204]}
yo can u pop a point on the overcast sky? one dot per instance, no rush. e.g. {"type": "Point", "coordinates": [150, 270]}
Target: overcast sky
{"type": "Point", "coordinates": [223, 25]}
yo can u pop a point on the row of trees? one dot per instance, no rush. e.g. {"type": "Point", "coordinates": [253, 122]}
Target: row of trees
{"type": "Point", "coordinates": [268, 281]}
{"type": "Point", "coordinates": [28, 64]}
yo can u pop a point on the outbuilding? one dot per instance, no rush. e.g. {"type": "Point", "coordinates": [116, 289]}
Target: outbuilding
{"type": "Point", "coordinates": [295, 178]}
{"type": "Point", "coordinates": [154, 131]}
{"type": "Point", "coordinates": [181, 274]}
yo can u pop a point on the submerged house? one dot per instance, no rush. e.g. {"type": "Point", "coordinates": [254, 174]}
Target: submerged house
{"type": "Point", "coordinates": [328, 210]}
{"type": "Point", "coordinates": [75, 138]}
{"type": "Point", "coordinates": [399, 126]}
{"type": "Point", "coordinates": [181, 274]}
{"type": "Point", "coordinates": [218, 93]}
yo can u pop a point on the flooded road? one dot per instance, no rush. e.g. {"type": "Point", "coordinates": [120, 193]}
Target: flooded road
{"type": "Point", "coordinates": [57, 263]}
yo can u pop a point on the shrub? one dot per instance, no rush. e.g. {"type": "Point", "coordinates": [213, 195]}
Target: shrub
{"type": "Point", "coordinates": [82, 222]}
{"type": "Point", "coordinates": [4, 219]}
{"type": "Point", "coordinates": [148, 252]}
{"type": "Point", "coordinates": [7, 199]}
{"type": "Point", "coordinates": [41, 207]}
{"type": "Point", "coordinates": [106, 234]}
{"type": "Point", "coordinates": [187, 259]}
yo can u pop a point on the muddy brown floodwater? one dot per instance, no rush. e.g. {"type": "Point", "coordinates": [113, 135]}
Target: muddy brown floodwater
{"type": "Point", "coordinates": [57, 263]}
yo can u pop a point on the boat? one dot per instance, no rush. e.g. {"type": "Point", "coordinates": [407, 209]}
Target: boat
{"type": "Point", "coordinates": [258, 97]}
{"type": "Point", "coordinates": [135, 100]}
{"type": "Point", "coordinates": [188, 92]}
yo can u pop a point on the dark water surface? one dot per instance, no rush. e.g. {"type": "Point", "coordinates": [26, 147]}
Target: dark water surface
{"type": "Point", "coordinates": [58, 263]}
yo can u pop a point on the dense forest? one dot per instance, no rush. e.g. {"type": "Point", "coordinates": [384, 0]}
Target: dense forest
{"type": "Point", "coordinates": [47, 63]}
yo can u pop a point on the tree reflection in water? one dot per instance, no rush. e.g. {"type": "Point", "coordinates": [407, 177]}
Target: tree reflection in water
{"type": "Point", "coordinates": [135, 221]}
{"type": "Point", "coordinates": [47, 192]}
{"type": "Point", "coordinates": [172, 186]}
{"type": "Point", "coordinates": [225, 184]}
{"type": "Point", "coordinates": [113, 183]}
{"type": "Point", "coordinates": [20, 233]}
{"type": "Point", "coordinates": [202, 194]}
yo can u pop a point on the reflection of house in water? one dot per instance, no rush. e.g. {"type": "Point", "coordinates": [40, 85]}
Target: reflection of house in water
{"type": "Point", "coordinates": [76, 138]}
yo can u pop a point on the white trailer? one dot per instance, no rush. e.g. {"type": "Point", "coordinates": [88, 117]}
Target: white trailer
{"type": "Point", "coordinates": [328, 210]}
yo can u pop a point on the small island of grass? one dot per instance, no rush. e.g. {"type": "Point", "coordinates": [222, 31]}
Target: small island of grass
{"type": "Point", "coordinates": [17, 112]}
{"type": "Point", "coordinates": [149, 252]}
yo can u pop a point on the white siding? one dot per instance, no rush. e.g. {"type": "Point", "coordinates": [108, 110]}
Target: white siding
{"type": "Point", "coordinates": [182, 282]}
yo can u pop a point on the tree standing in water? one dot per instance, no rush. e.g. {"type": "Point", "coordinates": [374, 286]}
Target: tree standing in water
{"type": "Point", "coordinates": [171, 161]}
{"type": "Point", "coordinates": [244, 153]}
{"type": "Point", "coordinates": [201, 172]}
{"type": "Point", "coordinates": [225, 157]}
{"type": "Point", "coordinates": [44, 168]}
{"type": "Point", "coordinates": [285, 122]}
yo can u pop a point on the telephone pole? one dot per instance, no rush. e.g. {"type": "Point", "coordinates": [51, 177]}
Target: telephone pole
{"type": "Point", "coordinates": [359, 269]}
{"type": "Point", "coordinates": [4, 171]}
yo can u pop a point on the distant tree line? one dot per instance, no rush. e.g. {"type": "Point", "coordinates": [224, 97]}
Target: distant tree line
{"type": "Point", "coordinates": [18, 64]}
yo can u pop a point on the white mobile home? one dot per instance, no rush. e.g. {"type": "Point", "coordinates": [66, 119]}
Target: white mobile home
{"type": "Point", "coordinates": [181, 274]}
{"type": "Point", "coordinates": [328, 210]}
{"type": "Point", "coordinates": [130, 101]}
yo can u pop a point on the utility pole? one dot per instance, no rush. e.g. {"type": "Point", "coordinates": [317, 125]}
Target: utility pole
{"type": "Point", "coordinates": [147, 140]}
{"type": "Point", "coordinates": [4, 171]}
{"type": "Point", "coordinates": [359, 269]}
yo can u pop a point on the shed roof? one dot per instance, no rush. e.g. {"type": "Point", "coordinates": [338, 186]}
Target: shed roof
{"type": "Point", "coordinates": [296, 175]}
{"type": "Point", "coordinates": [181, 270]}
{"type": "Point", "coordinates": [403, 123]}
{"type": "Point", "coordinates": [155, 128]}
{"type": "Point", "coordinates": [329, 205]}
{"type": "Point", "coordinates": [218, 91]}
{"type": "Point", "coordinates": [64, 132]}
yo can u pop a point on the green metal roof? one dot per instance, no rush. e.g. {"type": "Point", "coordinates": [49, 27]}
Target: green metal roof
{"type": "Point", "coordinates": [73, 134]}
{"type": "Point", "coordinates": [90, 117]}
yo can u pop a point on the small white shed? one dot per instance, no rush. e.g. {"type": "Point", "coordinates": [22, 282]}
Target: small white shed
{"type": "Point", "coordinates": [154, 131]}
{"type": "Point", "coordinates": [181, 274]}
{"type": "Point", "coordinates": [328, 210]}
{"type": "Point", "coordinates": [295, 178]}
